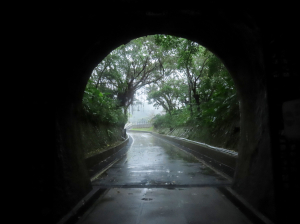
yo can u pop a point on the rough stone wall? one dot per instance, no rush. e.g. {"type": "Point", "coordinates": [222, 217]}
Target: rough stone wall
{"type": "Point", "coordinates": [254, 175]}
{"type": "Point", "coordinates": [71, 179]}
{"type": "Point", "coordinates": [97, 137]}
{"type": "Point", "coordinates": [76, 137]}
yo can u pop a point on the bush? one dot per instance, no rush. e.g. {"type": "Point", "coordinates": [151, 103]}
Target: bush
{"type": "Point", "coordinates": [100, 108]}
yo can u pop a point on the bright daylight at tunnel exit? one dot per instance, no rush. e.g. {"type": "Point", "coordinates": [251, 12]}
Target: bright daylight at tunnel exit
{"type": "Point", "coordinates": [174, 85]}
{"type": "Point", "coordinates": [162, 107]}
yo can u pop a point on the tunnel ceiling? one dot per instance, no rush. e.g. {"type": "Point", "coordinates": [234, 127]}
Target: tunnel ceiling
{"type": "Point", "coordinates": [90, 33]}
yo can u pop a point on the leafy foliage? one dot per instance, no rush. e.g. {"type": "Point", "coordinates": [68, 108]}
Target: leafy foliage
{"type": "Point", "coordinates": [188, 81]}
{"type": "Point", "coordinates": [177, 118]}
{"type": "Point", "coordinates": [169, 94]}
{"type": "Point", "coordinates": [129, 67]}
{"type": "Point", "coordinates": [100, 108]}
{"type": "Point", "coordinates": [212, 95]}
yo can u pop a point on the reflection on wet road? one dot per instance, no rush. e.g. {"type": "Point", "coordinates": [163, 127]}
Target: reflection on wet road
{"type": "Point", "coordinates": [153, 162]}
{"type": "Point", "coordinates": [158, 183]}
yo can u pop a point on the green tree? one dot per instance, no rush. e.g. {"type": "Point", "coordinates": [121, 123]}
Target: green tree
{"type": "Point", "coordinates": [223, 105]}
{"type": "Point", "coordinates": [100, 108]}
{"type": "Point", "coordinates": [211, 89]}
{"type": "Point", "coordinates": [169, 94]}
{"type": "Point", "coordinates": [188, 81]}
{"type": "Point", "coordinates": [192, 59]}
{"type": "Point", "coordinates": [130, 67]}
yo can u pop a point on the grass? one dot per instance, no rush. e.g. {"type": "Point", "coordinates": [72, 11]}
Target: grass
{"type": "Point", "coordinates": [142, 129]}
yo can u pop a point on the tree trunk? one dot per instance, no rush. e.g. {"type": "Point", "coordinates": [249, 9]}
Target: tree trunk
{"type": "Point", "coordinates": [197, 99]}
{"type": "Point", "coordinates": [190, 99]}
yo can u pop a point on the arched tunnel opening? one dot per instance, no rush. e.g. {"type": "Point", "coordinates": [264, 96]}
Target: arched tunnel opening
{"type": "Point", "coordinates": [150, 162]}
{"type": "Point", "coordinates": [190, 83]}
{"type": "Point", "coordinates": [246, 53]}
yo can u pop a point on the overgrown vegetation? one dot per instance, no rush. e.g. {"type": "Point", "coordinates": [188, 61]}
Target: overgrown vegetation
{"type": "Point", "coordinates": [188, 81]}
{"type": "Point", "coordinates": [100, 107]}
{"type": "Point", "coordinates": [142, 129]}
{"type": "Point", "coordinates": [206, 100]}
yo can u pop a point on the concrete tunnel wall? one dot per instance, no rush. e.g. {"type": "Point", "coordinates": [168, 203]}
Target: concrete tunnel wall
{"type": "Point", "coordinates": [88, 35]}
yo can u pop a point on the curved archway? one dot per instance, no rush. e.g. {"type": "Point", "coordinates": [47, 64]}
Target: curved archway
{"type": "Point", "coordinates": [237, 45]}
{"type": "Point", "coordinates": [235, 42]}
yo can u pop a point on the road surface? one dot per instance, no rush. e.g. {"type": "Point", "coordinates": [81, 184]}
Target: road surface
{"type": "Point", "coordinates": [156, 182]}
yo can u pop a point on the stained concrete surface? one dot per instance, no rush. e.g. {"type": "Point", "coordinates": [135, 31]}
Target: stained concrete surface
{"type": "Point", "coordinates": [158, 183]}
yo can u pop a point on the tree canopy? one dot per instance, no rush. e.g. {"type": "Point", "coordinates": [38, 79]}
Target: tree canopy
{"type": "Point", "coordinates": [178, 75]}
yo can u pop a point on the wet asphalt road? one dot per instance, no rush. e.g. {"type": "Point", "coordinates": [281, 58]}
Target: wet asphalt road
{"type": "Point", "coordinates": [152, 162]}
{"type": "Point", "coordinates": [156, 182]}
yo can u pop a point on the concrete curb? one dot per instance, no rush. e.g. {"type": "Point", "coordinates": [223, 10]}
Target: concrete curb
{"type": "Point", "coordinates": [251, 213]}
{"type": "Point", "coordinates": [93, 160]}
{"type": "Point", "coordinates": [222, 156]}
{"type": "Point", "coordinates": [81, 207]}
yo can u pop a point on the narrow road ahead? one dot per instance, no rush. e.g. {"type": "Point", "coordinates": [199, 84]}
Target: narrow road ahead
{"type": "Point", "coordinates": [157, 182]}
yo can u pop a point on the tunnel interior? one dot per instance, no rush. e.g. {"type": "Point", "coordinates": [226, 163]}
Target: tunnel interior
{"type": "Point", "coordinates": [236, 38]}
{"type": "Point", "coordinates": [236, 50]}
